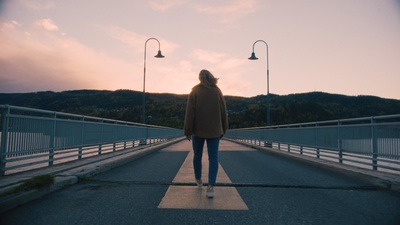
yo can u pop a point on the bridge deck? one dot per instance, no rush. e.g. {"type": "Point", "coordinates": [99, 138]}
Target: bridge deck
{"type": "Point", "coordinates": [254, 187]}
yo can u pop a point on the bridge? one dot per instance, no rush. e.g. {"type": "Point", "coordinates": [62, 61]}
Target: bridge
{"type": "Point", "coordinates": [143, 174]}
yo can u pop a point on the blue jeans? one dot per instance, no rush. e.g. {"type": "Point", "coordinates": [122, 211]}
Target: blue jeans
{"type": "Point", "coordinates": [212, 148]}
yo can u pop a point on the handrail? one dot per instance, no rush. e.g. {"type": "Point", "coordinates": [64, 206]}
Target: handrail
{"type": "Point", "coordinates": [376, 138]}
{"type": "Point", "coordinates": [327, 122]}
{"type": "Point", "coordinates": [32, 138]}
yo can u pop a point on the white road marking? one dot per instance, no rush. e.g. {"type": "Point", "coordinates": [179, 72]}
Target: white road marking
{"type": "Point", "coordinates": [193, 197]}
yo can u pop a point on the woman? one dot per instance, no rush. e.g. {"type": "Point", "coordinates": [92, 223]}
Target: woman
{"type": "Point", "coordinates": [206, 120]}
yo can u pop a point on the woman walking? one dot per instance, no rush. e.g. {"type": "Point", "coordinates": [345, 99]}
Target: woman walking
{"type": "Point", "coordinates": [206, 121]}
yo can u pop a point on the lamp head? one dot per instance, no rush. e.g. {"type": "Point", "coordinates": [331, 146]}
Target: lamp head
{"type": "Point", "coordinates": [253, 56]}
{"type": "Point", "coordinates": [159, 55]}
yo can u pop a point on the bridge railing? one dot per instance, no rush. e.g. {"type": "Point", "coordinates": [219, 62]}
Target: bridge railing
{"type": "Point", "coordinates": [369, 142]}
{"type": "Point", "coordinates": [36, 138]}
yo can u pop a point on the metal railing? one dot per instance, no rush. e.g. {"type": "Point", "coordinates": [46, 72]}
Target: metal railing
{"type": "Point", "coordinates": [36, 138]}
{"type": "Point", "coordinates": [370, 142]}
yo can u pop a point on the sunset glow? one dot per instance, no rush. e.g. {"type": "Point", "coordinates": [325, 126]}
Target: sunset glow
{"type": "Point", "coordinates": [344, 47]}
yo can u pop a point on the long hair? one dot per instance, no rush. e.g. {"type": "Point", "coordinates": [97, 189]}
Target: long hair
{"type": "Point", "coordinates": [207, 79]}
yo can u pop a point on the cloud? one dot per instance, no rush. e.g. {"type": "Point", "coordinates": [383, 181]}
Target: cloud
{"type": "Point", "coordinates": [208, 56]}
{"type": "Point", "coordinates": [54, 62]}
{"type": "Point", "coordinates": [125, 36]}
{"type": "Point", "coordinates": [166, 78]}
{"type": "Point", "coordinates": [221, 60]}
{"type": "Point", "coordinates": [35, 5]}
{"type": "Point", "coordinates": [9, 26]}
{"type": "Point", "coordinates": [135, 40]}
{"type": "Point", "coordinates": [185, 66]}
{"type": "Point", "coordinates": [33, 59]}
{"type": "Point", "coordinates": [25, 66]}
{"type": "Point", "coordinates": [231, 71]}
{"type": "Point", "coordinates": [164, 5]}
{"type": "Point", "coordinates": [47, 24]}
{"type": "Point", "coordinates": [230, 12]}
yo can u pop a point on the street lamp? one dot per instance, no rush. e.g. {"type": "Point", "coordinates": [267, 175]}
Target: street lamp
{"type": "Point", "coordinates": [253, 57]}
{"type": "Point", "coordinates": [159, 55]}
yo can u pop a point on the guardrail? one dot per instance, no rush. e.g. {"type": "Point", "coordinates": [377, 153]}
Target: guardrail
{"type": "Point", "coordinates": [369, 142]}
{"type": "Point", "coordinates": [37, 138]}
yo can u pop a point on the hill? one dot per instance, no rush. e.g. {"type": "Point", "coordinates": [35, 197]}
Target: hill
{"type": "Point", "coordinates": [169, 109]}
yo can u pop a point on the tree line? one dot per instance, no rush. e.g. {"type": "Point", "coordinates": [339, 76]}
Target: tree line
{"type": "Point", "coordinates": [169, 109]}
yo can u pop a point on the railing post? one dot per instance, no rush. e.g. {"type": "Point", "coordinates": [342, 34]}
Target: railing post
{"type": "Point", "coordinates": [339, 142]}
{"type": "Point", "coordinates": [82, 135]}
{"type": "Point", "coordinates": [53, 140]}
{"type": "Point", "coordinates": [374, 144]}
{"type": "Point", "coordinates": [143, 139]}
{"type": "Point", "coordinates": [4, 139]}
{"type": "Point", "coordinates": [101, 137]}
{"type": "Point", "coordinates": [316, 140]}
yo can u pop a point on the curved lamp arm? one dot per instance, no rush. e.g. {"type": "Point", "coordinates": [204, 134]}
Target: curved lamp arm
{"type": "Point", "coordinates": [253, 57]}
{"type": "Point", "coordinates": [159, 55]}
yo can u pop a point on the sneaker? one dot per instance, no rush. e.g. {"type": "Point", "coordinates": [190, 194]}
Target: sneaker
{"type": "Point", "coordinates": [210, 191]}
{"type": "Point", "coordinates": [199, 183]}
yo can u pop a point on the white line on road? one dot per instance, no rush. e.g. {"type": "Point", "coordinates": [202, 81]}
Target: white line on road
{"type": "Point", "coordinates": [193, 197]}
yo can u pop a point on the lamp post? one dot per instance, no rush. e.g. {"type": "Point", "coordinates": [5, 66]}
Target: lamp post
{"type": "Point", "coordinates": [159, 55]}
{"type": "Point", "coordinates": [253, 57]}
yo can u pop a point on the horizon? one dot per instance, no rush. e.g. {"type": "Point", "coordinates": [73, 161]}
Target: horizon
{"type": "Point", "coordinates": [98, 44]}
{"type": "Point", "coordinates": [168, 93]}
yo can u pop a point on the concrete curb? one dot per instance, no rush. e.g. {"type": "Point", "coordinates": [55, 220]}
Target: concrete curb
{"type": "Point", "coordinates": [72, 176]}
{"type": "Point", "coordinates": [378, 179]}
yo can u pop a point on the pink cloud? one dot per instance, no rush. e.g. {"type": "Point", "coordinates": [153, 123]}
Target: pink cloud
{"type": "Point", "coordinates": [229, 12]}
{"type": "Point", "coordinates": [164, 5]}
{"type": "Point", "coordinates": [53, 62]}
{"type": "Point", "coordinates": [135, 40]}
{"type": "Point", "coordinates": [47, 24]}
{"type": "Point", "coordinates": [34, 5]}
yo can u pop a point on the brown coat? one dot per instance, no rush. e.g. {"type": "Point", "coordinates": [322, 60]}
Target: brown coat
{"type": "Point", "coordinates": [206, 114]}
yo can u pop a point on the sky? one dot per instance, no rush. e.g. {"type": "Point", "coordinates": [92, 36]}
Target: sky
{"type": "Point", "coordinates": [349, 47]}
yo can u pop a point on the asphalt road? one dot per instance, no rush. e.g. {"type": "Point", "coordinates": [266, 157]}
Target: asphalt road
{"type": "Point", "coordinates": [276, 191]}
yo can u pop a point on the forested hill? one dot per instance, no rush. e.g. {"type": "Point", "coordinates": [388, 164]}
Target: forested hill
{"type": "Point", "coordinates": [169, 109]}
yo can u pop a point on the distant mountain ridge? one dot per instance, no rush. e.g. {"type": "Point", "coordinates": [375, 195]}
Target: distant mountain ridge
{"type": "Point", "coordinates": [169, 109]}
